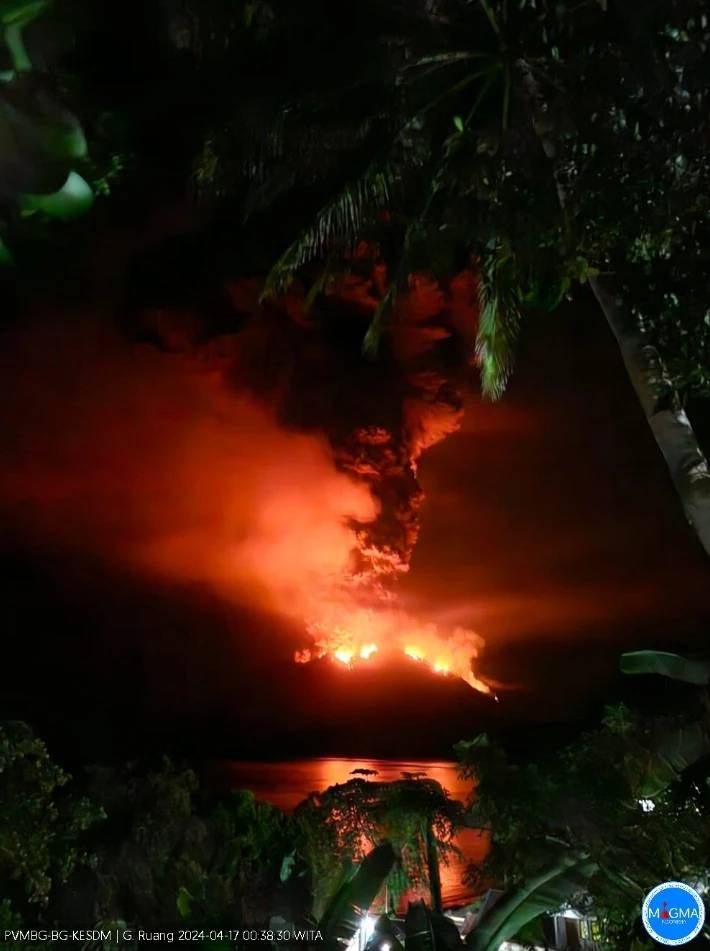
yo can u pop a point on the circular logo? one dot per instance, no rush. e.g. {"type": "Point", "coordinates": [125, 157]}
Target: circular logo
{"type": "Point", "coordinates": [673, 913]}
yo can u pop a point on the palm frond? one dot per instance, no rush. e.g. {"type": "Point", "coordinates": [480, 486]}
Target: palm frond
{"type": "Point", "coordinates": [267, 146]}
{"type": "Point", "coordinates": [499, 322]}
{"type": "Point", "coordinates": [338, 224]}
{"type": "Point", "coordinates": [492, 19]}
{"type": "Point", "coordinates": [371, 341]}
{"type": "Point", "coordinates": [467, 80]}
{"type": "Point", "coordinates": [415, 72]}
{"type": "Point", "coordinates": [445, 59]}
{"type": "Point", "coordinates": [416, 226]}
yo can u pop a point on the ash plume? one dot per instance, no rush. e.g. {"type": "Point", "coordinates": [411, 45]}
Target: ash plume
{"type": "Point", "coordinates": [273, 462]}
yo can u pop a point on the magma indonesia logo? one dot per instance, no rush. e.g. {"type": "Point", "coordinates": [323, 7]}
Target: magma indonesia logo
{"type": "Point", "coordinates": [673, 913]}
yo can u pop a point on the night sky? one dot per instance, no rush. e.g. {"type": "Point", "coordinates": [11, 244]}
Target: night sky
{"type": "Point", "coordinates": [551, 517]}
{"type": "Point", "coordinates": [160, 536]}
{"type": "Point", "coordinates": [550, 526]}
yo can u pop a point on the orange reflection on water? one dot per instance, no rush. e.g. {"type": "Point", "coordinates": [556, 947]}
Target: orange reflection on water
{"type": "Point", "coordinates": [286, 784]}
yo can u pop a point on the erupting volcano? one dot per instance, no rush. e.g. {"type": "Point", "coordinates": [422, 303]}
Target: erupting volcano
{"type": "Point", "coordinates": [368, 636]}
{"type": "Point", "coordinates": [360, 620]}
{"type": "Point", "coordinates": [272, 462]}
{"type": "Point", "coordinates": [357, 618]}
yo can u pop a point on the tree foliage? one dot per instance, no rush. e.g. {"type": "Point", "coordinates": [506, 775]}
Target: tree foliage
{"type": "Point", "coordinates": [167, 853]}
{"type": "Point", "coordinates": [463, 114]}
{"type": "Point", "coordinates": [336, 828]}
{"type": "Point", "coordinates": [42, 825]}
{"type": "Point", "coordinates": [621, 807]}
{"type": "Point", "coordinates": [177, 857]}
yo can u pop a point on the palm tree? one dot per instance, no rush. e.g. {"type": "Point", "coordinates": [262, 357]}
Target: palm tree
{"type": "Point", "coordinates": [644, 364]}
{"type": "Point", "coordinates": [415, 815]}
{"type": "Point", "coordinates": [505, 146]}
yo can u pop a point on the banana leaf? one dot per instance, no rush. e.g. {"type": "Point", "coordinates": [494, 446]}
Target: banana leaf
{"type": "Point", "coordinates": [418, 928]}
{"type": "Point", "coordinates": [544, 893]}
{"type": "Point", "coordinates": [21, 11]}
{"type": "Point", "coordinates": [344, 912]}
{"type": "Point", "coordinates": [446, 934]}
{"type": "Point", "coordinates": [675, 748]}
{"type": "Point", "coordinates": [667, 665]}
{"type": "Point", "coordinates": [14, 15]}
{"type": "Point", "coordinates": [5, 254]}
{"type": "Point", "coordinates": [384, 933]}
{"type": "Point", "coordinates": [40, 141]}
{"type": "Point", "coordinates": [63, 138]}
{"type": "Point", "coordinates": [50, 134]}
{"type": "Point", "coordinates": [428, 931]}
{"type": "Point", "coordinates": [72, 200]}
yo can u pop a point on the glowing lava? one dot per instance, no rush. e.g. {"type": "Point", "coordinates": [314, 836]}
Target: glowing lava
{"type": "Point", "coordinates": [348, 638]}
{"type": "Point", "coordinates": [354, 616]}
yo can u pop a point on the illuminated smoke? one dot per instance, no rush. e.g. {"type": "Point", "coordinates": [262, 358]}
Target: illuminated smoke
{"type": "Point", "coordinates": [354, 637]}
{"type": "Point", "coordinates": [361, 622]}
{"type": "Point", "coordinates": [153, 460]}
{"type": "Point", "coordinates": [196, 466]}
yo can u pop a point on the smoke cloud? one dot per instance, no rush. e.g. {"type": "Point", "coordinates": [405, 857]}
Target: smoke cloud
{"type": "Point", "coordinates": [269, 463]}
{"type": "Point", "coordinates": [151, 459]}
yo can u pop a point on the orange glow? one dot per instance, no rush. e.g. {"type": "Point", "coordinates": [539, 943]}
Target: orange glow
{"type": "Point", "coordinates": [351, 635]}
{"type": "Point", "coordinates": [158, 462]}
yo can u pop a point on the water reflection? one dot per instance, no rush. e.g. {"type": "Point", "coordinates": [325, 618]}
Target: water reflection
{"type": "Point", "coordinates": [286, 783]}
